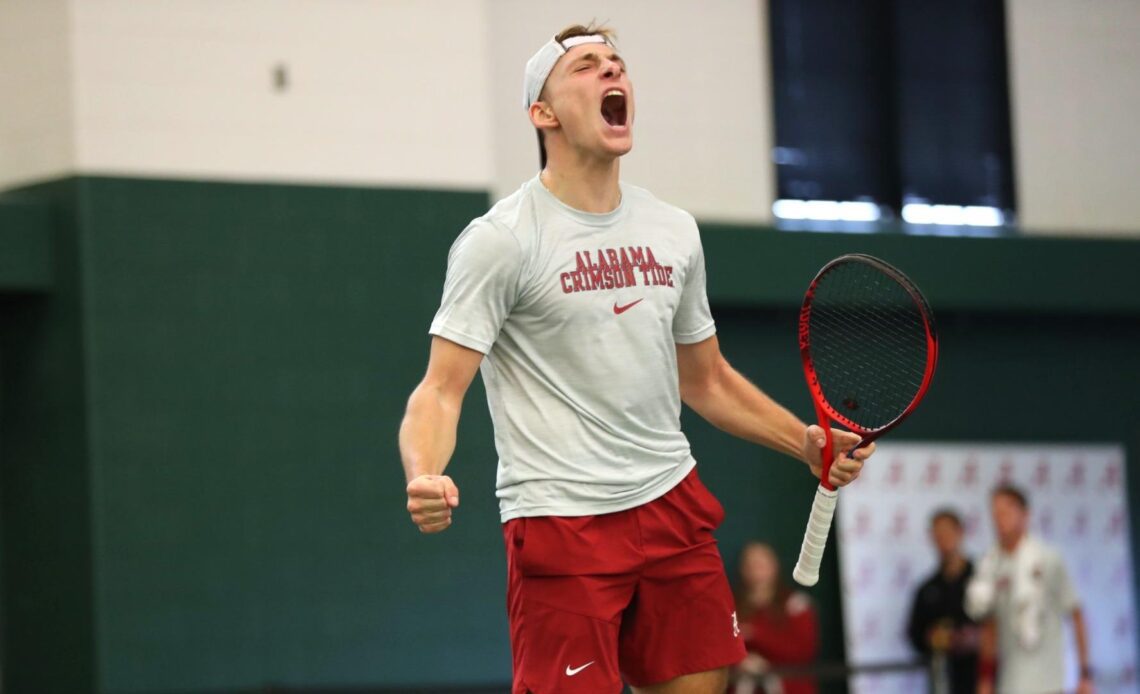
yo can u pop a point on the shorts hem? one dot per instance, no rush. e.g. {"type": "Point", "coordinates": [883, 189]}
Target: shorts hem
{"type": "Point", "coordinates": [617, 685]}
{"type": "Point", "coordinates": [691, 669]}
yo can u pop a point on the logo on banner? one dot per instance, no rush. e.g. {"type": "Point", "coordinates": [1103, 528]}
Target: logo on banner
{"type": "Point", "coordinates": [895, 473]}
{"type": "Point", "coordinates": [1112, 477]}
{"type": "Point", "coordinates": [969, 476]}
{"type": "Point", "coordinates": [899, 523]}
{"type": "Point", "coordinates": [902, 578]}
{"type": "Point", "coordinates": [869, 629]}
{"type": "Point", "coordinates": [1041, 474]}
{"type": "Point", "coordinates": [1116, 523]}
{"type": "Point", "coordinates": [1005, 471]}
{"type": "Point", "coordinates": [1119, 574]}
{"type": "Point", "coordinates": [1080, 526]}
{"type": "Point", "coordinates": [862, 522]}
{"type": "Point", "coordinates": [1076, 476]}
{"type": "Point", "coordinates": [972, 521]}
{"type": "Point", "coordinates": [866, 575]}
{"type": "Point", "coordinates": [933, 473]}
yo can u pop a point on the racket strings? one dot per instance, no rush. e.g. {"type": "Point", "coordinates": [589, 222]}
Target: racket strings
{"type": "Point", "coordinates": [868, 344]}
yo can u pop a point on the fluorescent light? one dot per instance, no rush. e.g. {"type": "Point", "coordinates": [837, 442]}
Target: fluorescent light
{"type": "Point", "coordinates": [789, 209]}
{"type": "Point", "coordinates": [984, 216]}
{"type": "Point", "coordinates": [917, 213]}
{"type": "Point", "coordinates": [826, 210]}
{"type": "Point", "coordinates": [952, 215]}
{"type": "Point", "coordinates": [859, 211]}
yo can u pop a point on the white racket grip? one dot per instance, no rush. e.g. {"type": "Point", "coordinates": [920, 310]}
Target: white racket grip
{"type": "Point", "coordinates": [815, 537]}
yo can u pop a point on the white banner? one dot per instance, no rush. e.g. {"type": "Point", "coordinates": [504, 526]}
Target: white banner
{"type": "Point", "coordinates": [1078, 503]}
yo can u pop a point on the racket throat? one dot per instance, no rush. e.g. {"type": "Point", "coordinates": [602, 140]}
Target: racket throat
{"type": "Point", "coordinates": [827, 453]}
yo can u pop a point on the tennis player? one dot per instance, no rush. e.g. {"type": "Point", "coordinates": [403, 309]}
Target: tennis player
{"type": "Point", "coordinates": [582, 299]}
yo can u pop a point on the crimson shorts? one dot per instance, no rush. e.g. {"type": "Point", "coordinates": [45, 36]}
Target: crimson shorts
{"type": "Point", "coordinates": [639, 594]}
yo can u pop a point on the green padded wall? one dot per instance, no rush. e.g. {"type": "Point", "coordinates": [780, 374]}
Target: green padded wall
{"type": "Point", "coordinates": [45, 504]}
{"type": "Point", "coordinates": [26, 253]}
{"type": "Point", "coordinates": [251, 348]}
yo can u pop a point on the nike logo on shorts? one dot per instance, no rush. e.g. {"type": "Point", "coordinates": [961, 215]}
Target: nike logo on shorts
{"type": "Point", "coordinates": [570, 672]}
{"type": "Point", "coordinates": [618, 310]}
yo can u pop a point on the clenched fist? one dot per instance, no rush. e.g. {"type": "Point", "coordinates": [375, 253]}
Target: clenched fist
{"type": "Point", "coordinates": [430, 500]}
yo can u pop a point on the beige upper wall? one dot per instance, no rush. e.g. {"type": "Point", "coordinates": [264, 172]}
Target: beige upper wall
{"type": "Point", "coordinates": [702, 138]}
{"type": "Point", "coordinates": [36, 140]}
{"type": "Point", "coordinates": [1075, 107]}
{"type": "Point", "coordinates": [425, 93]}
{"type": "Point", "coordinates": [391, 92]}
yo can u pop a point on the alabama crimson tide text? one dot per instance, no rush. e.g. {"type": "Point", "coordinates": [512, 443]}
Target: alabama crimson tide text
{"type": "Point", "coordinates": [615, 268]}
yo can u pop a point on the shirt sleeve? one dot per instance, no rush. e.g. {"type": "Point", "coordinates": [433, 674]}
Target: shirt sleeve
{"type": "Point", "coordinates": [481, 288]}
{"type": "Point", "coordinates": [693, 321]}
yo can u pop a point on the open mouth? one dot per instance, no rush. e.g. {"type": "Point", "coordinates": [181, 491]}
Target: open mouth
{"type": "Point", "coordinates": [613, 108]}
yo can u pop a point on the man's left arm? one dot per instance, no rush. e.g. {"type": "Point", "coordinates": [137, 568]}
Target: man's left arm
{"type": "Point", "coordinates": [1064, 593]}
{"type": "Point", "coordinates": [724, 397]}
{"type": "Point", "coordinates": [1080, 635]}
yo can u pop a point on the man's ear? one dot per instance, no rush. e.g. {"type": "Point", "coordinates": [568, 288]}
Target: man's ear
{"type": "Point", "coordinates": [542, 116]}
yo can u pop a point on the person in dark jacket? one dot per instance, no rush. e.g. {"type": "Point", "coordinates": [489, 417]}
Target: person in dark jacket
{"type": "Point", "coordinates": [938, 627]}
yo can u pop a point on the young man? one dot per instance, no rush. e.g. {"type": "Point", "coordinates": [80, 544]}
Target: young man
{"type": "Point", "coordinates": [583, 301]}
{"type": "Point", "coordinates": [939, 627]}
{"type": "Point", "coordinates": [1022, 588]}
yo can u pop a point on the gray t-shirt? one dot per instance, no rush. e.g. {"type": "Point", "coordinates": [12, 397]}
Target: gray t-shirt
{"type": "Point", "coordinates": [1029, 593]}
{"type": "Point", "coordinates": [579, 315]}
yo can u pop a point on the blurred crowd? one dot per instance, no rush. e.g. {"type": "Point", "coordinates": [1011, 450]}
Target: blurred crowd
{"type": "Point", "coordinates": [994, 625]}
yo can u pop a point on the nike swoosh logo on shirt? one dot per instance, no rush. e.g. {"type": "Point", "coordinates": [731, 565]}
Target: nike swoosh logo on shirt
{"type": "Point", "coordinates": [618, 310]}
{"type": "Point", "coordinates": [570, 672]}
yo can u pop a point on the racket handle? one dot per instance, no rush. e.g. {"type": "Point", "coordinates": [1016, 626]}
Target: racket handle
{"type": "Point", "coordinates": [815, 538]}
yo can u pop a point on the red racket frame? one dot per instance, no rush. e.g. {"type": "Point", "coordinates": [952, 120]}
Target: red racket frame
{"type": "Point", "coordinates": [825, 413]}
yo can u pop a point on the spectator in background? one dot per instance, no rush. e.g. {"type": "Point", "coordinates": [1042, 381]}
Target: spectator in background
{"type": "Point", "coordinates": [939, 627]}
{"type": "Point", "coordinates": [1022, 588]}
{"type": "Point", "coordinates": [779, 626]}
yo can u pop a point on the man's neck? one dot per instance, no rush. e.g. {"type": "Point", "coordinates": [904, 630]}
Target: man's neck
{"type": "Point", "coordinates": [1008, 544]}
{"type": "Point", "coordinates": [953, 565]}
{"type": "Point", "coordinates": [586, 185]}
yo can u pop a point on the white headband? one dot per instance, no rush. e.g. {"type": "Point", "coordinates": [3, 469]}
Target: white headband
{"type": "Point", "coordinates": [539, 66]}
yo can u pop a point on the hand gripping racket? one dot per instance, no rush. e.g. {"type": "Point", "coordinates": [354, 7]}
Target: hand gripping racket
{"type": "Point", "coordinates": [869, 348]}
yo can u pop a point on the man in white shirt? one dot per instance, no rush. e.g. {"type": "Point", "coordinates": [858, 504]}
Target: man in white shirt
{"type": "Point", "coordinates": [1022, 589]}
{"type": "Point", "coordinates": [582, 300]}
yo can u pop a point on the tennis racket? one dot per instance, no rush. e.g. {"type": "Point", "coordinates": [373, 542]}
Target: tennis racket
{"type": "Point", "coordinates": [868, 346]}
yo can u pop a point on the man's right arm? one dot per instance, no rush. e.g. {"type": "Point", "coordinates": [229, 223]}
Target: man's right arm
{"type": "Point", "coordinates": [428, 432]}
